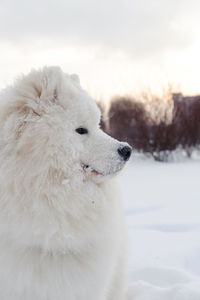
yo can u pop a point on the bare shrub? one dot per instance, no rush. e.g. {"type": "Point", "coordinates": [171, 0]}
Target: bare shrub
{"type": "Point", "coordinates": [127, 121]}
{"type": "Point", "coordinates": [156, 125]}
{"type": "Point", "coordinates": [186, 120]}
{"type": "Point", "coordinates": [142, 128]}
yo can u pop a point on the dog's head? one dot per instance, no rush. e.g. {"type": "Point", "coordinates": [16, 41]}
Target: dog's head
{"type": "Point", "coordinates": [51, 123]}
{"type": "Point", "coordinates": [50, 137]}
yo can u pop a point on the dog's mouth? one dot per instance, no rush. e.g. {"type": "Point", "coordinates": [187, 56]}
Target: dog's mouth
{"type": "Point", "coordinates": [88, 170]}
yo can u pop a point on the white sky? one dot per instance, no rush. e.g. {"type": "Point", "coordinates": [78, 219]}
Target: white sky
{"type": "Point", "coordinates": [116, 46]}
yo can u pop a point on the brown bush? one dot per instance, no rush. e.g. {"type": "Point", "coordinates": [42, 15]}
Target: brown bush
{"type": "Point", "coordinates": [186, 120]}
{"type": "Point", "coordinates": [131, 121]}
{"type": "Point", "coordinates": [128, 121]}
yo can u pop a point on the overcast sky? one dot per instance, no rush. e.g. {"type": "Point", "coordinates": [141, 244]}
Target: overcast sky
{"type": "Point", "coordinates": [115, 46]}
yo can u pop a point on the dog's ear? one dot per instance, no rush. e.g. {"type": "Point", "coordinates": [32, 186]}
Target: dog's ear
{"type": "Point", "coordinates": [51, 84]}
{"type": "Point", "coordinates": [34, 93]}
{"type": "Point", "coordinates": [30, 97]}
{"type": "Point", "coordinates": [40, 85]}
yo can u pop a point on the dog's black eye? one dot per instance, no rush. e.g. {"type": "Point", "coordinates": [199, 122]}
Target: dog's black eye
{"type": "Point", "coordinates": [81, 130]}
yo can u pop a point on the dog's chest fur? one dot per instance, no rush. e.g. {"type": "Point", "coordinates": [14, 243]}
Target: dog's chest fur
{"type": "Point", "coordinates": [80, 272]}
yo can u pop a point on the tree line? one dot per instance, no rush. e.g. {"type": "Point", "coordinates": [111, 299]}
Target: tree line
{"type": "Point", "coordinates": [152, 131]}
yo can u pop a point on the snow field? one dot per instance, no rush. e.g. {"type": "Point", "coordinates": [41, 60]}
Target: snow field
{"type": "Point", "coordinates": [162, 207]}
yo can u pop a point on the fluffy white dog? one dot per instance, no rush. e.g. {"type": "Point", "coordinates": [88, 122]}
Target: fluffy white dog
{"type": "Point", "coordinates": [61, 229]}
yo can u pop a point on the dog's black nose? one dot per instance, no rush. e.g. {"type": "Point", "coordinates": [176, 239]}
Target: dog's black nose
{"type": "Point", "coordinates": [125, 152]}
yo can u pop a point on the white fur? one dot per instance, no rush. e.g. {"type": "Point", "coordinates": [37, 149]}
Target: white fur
{"type": "Point", "coordinates": [61, 229]}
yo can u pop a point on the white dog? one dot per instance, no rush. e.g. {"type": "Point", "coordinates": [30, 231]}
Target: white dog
{"type": "Point", "coordinates": [61, 232]}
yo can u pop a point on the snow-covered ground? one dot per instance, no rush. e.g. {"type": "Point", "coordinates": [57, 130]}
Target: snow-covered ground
{"type": "Point", "coordinates": [162, 206]}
